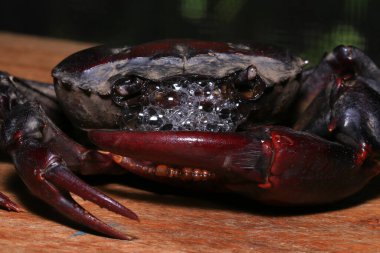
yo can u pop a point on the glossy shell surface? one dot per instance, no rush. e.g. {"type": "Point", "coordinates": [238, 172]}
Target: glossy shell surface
{"type": "Point", "coordinates": [85, 79]}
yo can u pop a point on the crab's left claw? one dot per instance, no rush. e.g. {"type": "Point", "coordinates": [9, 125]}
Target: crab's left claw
{"type": "Point", "coordinates": [30, 138]}
{"type": "Point", "coordinates": [47, 177]}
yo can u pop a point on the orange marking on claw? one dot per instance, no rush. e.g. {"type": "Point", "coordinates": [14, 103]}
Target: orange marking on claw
{"type": "Point", "coordinates": [103, 152]}
{"type": "Point", "coordinates": [117, 158]}
{"type": "Point", "coordinates": [266, 185]}
{"type": "Point", "coordinates": [161, 170]}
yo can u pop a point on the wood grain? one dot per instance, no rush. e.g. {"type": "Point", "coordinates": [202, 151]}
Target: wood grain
{"type": "Point", "coordinates": [172, 222]}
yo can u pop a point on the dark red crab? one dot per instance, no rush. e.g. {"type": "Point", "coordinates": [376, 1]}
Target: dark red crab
{"type": "Point", "coordinates": [244, 118]}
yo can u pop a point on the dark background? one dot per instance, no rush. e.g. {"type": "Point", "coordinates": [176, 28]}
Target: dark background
{"type": "Point", "coordinates": [308, 28]}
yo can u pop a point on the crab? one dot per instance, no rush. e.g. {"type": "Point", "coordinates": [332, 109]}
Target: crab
{"type": "Point", "coordinates": [245, 118]}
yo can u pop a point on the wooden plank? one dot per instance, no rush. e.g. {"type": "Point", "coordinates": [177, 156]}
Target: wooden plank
{"type": "Point", "coordinates": [172, 222]}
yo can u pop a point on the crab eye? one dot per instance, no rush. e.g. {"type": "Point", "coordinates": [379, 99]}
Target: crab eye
{"type": "Point", "coordinates": [252, 89]}
{"type": "Point", "coordinates": [125, 88]}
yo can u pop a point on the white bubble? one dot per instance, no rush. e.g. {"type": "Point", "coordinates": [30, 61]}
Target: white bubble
{"type": "Point", "coordinates": [189, 111]}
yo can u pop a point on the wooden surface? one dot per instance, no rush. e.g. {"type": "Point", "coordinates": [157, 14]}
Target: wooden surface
{"type": "Point", "coordinates": [172, 222]}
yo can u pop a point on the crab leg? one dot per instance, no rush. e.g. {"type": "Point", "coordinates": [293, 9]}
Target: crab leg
{"type": "Point", "coordinates": [273, 164]}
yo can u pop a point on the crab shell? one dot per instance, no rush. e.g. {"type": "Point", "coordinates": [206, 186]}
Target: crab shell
{"type": "Point", "coordinates": [84, 79]}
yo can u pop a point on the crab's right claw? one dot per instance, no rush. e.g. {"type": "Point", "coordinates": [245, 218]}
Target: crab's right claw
{"type": "Point", "coordinates": [47, 177]}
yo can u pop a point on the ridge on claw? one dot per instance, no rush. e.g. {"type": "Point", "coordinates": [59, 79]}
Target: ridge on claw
{"type": "Point", "coordinates": [235, 117]}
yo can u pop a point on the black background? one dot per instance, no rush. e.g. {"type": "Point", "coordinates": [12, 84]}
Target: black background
{"type": "Point", "coordinates": [308, 28]}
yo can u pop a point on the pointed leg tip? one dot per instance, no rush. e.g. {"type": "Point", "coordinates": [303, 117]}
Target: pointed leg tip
{"type": "Point", "coordinates": [131, 215]}
{"type": "Point", "coordinates": [9, 204]}
{"type": "Point", "coordinates": [131, 238]}
{"type": "Point", "coordinates": [116, 234]}
{"type": "Point", "coordinates": [128, 237]}
{"type": "Point", "coordinates": [15, 208]}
